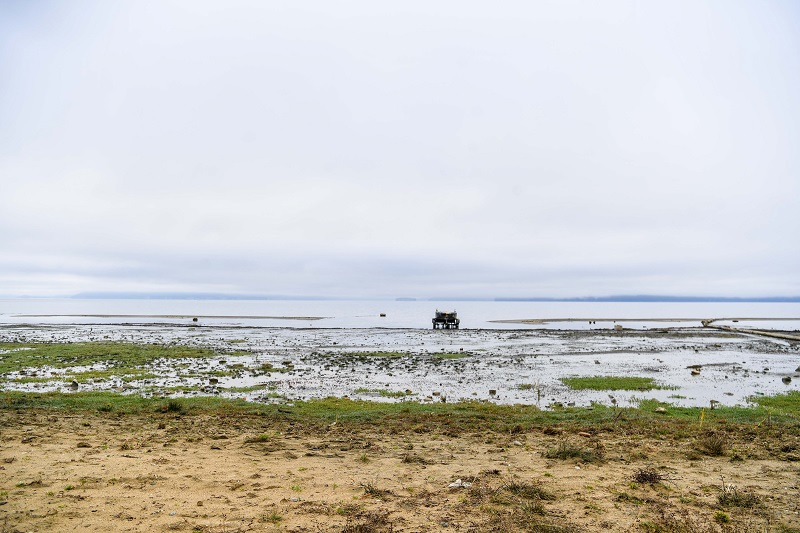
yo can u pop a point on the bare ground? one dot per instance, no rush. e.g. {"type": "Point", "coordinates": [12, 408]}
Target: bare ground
{"type": "Point", "coordinates": [213, 473]}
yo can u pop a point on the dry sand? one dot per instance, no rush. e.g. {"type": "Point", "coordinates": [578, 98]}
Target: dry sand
{"type": "Point", "coordinates": [166, 472]}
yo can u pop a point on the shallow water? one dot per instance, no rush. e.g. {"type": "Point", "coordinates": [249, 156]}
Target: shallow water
{"type": "Point", "coordinates": [322, 363]}
{"type": "Point", "coordinates": [399, 314]}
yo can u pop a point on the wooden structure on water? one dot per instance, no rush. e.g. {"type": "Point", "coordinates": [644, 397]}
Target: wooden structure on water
{"type": "Point", "coordinates": [445, 320]}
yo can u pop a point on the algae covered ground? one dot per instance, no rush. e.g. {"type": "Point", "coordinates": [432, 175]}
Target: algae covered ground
{"type": "Point", "coordinates": [686, 366]}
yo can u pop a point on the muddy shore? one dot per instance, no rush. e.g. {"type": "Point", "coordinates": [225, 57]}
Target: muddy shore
{"type": "Point", "coordinates": [693, 366]}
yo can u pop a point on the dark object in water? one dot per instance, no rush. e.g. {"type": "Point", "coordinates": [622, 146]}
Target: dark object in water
{"type": "Point", "coordinates": [445, 320]}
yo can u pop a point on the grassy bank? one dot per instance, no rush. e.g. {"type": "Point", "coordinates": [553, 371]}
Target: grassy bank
{"type": "Point", "coordinates": [650, 416]}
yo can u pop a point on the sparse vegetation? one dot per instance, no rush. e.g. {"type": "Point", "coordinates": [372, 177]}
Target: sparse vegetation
{"type": "Point", "coordinates": [450, 355]}
{"type": "Point", "coordinates": [731, 496]}
{"type": "Point", "coordinates": [385, 393]}
{"type": "Point", "coordinates": [528, 491]}
{"type": "Point", "coordinates": [567, 450]}
{"type": "Point", "coordinates": [612, 383]}
{"type": "Point", "coordinates": [371, 490]}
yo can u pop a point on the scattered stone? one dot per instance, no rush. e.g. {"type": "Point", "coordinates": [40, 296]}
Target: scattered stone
{"type": "Point", "coordinates": [517, 443]}
{"type": "Point", "coordinates": [695, 372]}
{"type": "Point", "coordinates": [786, 379]}
{"type": "Point", "coordinates": [492, 392]}
{"type": "Point", "coordinates": [584, 434]}
{"type": "Point", "coordinates": [660, 410]}
{"type": "Point", "coordinates": [458, 484]}
{"type": "Point", "coordinates": [597, 361]}
{"type": "Point", "coordinates": [74, 385]}
{"type": "Point", "coordinates": [213, 381]}
{"type": "Point", "coordinates": [84, 444]}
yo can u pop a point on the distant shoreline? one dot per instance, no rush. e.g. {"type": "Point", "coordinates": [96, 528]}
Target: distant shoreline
{"type": "Point", "coordinates": [255, 317]}
{"type": "Point", "coordinates": [549, 320]}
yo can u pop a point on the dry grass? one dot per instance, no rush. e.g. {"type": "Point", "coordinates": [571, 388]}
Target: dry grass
{"type": "Point", "coordinates": [567, 450]}
{"type": "Point", "coordinates": [730, 496]}
{"type": "Point", "coordinates": [714, 444]}
{"type": "Point", "coordinates": [369, 522]}
{"type": "Point", "coordinates": [647, 475]}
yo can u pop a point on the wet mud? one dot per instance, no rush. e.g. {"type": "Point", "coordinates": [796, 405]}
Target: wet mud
{"type": "Point", "coordinates": [696, 366]}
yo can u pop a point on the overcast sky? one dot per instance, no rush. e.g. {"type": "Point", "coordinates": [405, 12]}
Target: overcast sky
{"type": "Point", "coordinates": [415, 148]}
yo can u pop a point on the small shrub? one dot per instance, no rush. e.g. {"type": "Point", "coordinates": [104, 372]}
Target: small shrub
{"type": "Point", "coordinates": [173, 406]}
{"type": "Point", "coordinates": [721, 517]}
{"type": "Point", "coordinates": [272, 518]}
{"type": "Point", "coordinates": [375, 492]}
{"type": "Point", "coordinates": [733, 497]}
{"type": "Point", "coordinates": [646, 475]}
{"type": "Point", "coordinates": [714, 444]}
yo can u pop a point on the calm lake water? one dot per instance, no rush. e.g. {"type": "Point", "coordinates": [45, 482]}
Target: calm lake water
{"type": "Point", "coordinates": [399, 314]}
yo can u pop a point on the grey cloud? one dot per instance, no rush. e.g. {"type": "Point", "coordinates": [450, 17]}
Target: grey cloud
{"type": "Point", "coordinates": [358, 149]}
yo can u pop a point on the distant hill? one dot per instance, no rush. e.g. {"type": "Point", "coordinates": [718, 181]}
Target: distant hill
{"type": "Point", "coordinates": [657, 298]}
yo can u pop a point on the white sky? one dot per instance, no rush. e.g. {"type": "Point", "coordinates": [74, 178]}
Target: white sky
{"type": "Point", "coordinates": [414, 148]}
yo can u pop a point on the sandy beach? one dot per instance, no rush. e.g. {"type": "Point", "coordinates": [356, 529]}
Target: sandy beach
{"type": "Point", "coordinates": [216, 473]}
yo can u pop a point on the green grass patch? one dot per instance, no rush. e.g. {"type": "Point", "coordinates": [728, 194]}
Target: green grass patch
{"type": "Point", "coordinates": [385, 393]}
{"type": "Point", "coordinates": [114, 354]}
{"type": "Point", "coordinates": [251, 388]}
{"type": "Point", "coordinates": [450, 418]}
{"type": "Point", "coordinates": [787, 403]}
{"type": "Point", "coordinates": [613, 383]}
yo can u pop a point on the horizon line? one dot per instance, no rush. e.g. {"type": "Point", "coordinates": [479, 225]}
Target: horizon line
{"type": "Point", "coordinates": [129, 295]}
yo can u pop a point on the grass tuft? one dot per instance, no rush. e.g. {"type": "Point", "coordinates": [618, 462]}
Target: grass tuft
{"type": "Point", "coordinates": [567, 450]}
{"type": "Point", "coordinates": [731, 496]}
{"type": "Point", "coordinates": [714, 444]}
{"type": "Point", "coordinates": [528, 491]}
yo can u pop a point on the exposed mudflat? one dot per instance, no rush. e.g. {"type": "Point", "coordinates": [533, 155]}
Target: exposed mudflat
{"type": "Point", "coordinates": [504, 366]}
